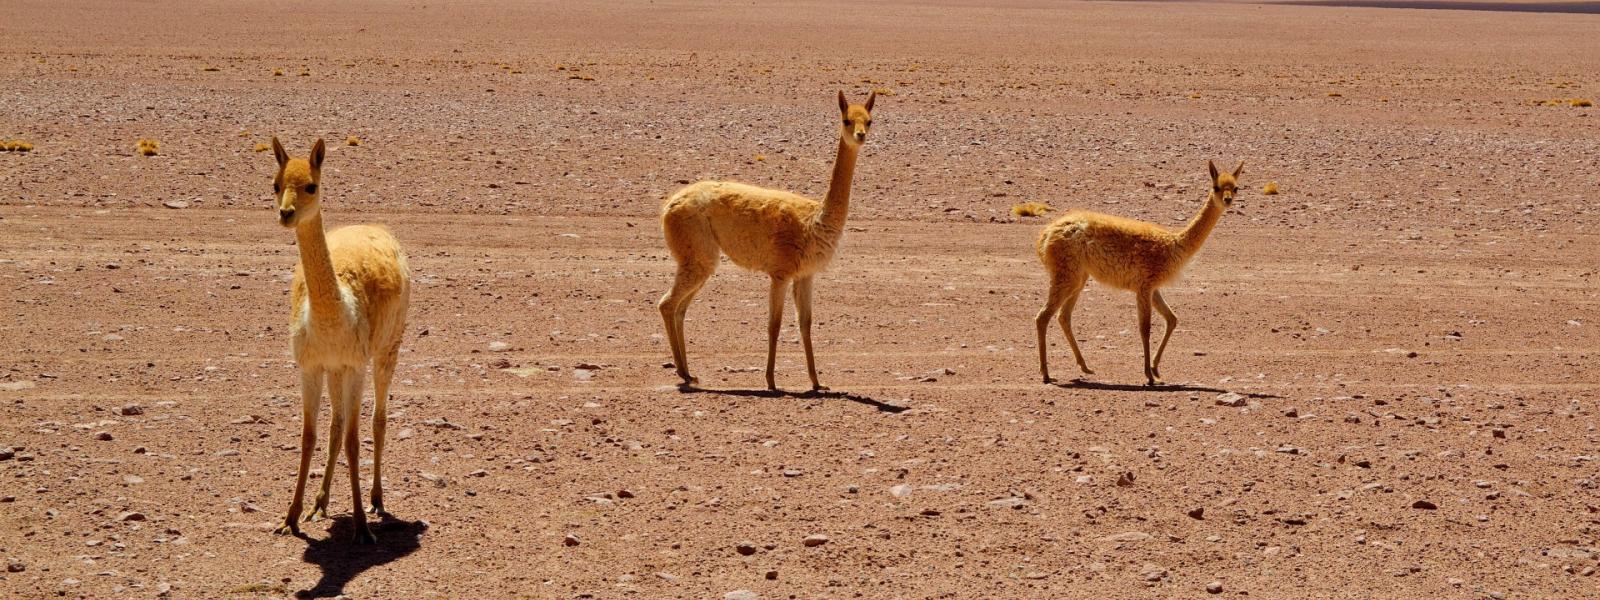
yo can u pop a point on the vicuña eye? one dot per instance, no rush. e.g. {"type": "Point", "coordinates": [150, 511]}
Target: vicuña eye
{"type": "Point", "coordinates": [277, 188]}
{"type": "Point", "coordinates": [869, 122]}
{"type": "Point", "coordinates": [847, 121]}
{"type": "Point", "coordinates": [311, 188]}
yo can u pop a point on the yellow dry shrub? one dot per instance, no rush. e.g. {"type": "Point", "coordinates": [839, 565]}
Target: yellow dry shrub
{"type": "Point", "coordinates": [1031, 209]}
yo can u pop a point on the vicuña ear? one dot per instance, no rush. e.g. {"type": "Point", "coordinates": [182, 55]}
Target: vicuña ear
{"type": "Point", "coordinates": [844, 106]}
{"type": "Point", "coordinates": [1213, 167]}
{"type": "Point", "coordinates": [870, 98]}
{"type": "Point", "coordinates": [1239, 170]}
{"type": "Point", "coordinates": [279, 153]}
{"type": "Point", "coordinates": [318, 152]}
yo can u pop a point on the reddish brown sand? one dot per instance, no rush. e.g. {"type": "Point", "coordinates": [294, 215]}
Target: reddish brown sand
{"type": "Point", "coordinates": [1413, 320]}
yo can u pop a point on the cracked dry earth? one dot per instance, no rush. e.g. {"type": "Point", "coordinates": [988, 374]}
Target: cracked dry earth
{"type": "Point", "coordinates": [1382, 386]}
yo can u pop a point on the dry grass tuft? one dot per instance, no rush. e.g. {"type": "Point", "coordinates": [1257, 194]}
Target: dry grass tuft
{"type": "Point", "coordinates": [761, 158]}
{"type": "Point", "coordinates": [1271, 189]}
{"type": "Point", "coordinates": [1031, 209]}
{"type": "Point", "coordinates": [883, 91]}
{"type": "Point", "coordinates": [1581, 102]}
{"type": "Point", "coordinates": [259, 588]}
{"type": "Point", "coordinates": [261, 147]}
{"type": "Point", "coordinates": [210, 69]}
{"type": "Point", "coordinates": [149, 147]}
{"type": "Point", "coordinates": [352, 141]}
{"type": "Point", "coordinates": [15, 146]}
{"type": "Point", "coordinates": [1335, 95]}
{"type": "Point", "coordinates": [277, 72]}
{"type": "Point", "coordinates": [580, 77]}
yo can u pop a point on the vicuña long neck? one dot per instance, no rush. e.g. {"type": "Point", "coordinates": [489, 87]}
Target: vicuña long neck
{"type": "Point", "coordinates": [1194, 234]}
{"type": "Point", "coordinates": [837, 204]}
{"type": "Point", "coordinates": [321, 286]}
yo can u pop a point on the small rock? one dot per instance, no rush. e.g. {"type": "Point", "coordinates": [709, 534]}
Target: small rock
{"type": "Point", "coordinates": [900, 491]}
{"type": "Point", "coordinates": [1127, 536]}
{"type": "Point", "coordinates": [1231, 399]}
{"type": "Point", "coordinates": [1214, 587]}
{"type": "Point", "coordinates": [1198, 513]}
{"type": "Point", "coordinates": [1125, 480]}
{"type": "Point", "coordinates": [667, 577]}
{"type": "Point", "coordinates": [15, 566]}
{"type": "Point", "coordinates": [1012, 502]}
{"type": "Point", "coordinates": [740, 595]}
{"type": "Point", "coordinates": [131, 516]}
{"type": "Point", "coordinates": [478, 473]}
{"type": "Point", "coordinates": [499, 346]}
{"type": "Point", "coordinates": [624, 494]}
{"type": "Point", "coordinates": [132, 479]}
{"type": "Point", "coordinates": [570, 540]}
{"type": "Point", "coordinates": [814, 540]}
{"type": "Point", "coordinates": [7, 453]}
{"type": "Point", "coordinates": [1292, 413]}
{"type": "Point", "coordinates": [131, 410]}
{"type": "Point", "coordinates": [1152, 573]}
{"type": "Point", "coordinates": [104, 436]}
{"type": "Point", "coordinates": [772, 575]}
{"type": "Point", "coordinates": [1424, 505]}
{"type": "Point", "coordinates": [745, 548]}
{"type": "Point", "coordinates": [179, 204]}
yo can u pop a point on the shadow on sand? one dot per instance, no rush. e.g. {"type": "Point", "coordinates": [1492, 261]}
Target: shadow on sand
{"type": "Point", "coordinates": [881, 406]}
{"type": "Point", "coordinates": [1081, 384]}
{"type": "Point", "coordinates": [341, 560]}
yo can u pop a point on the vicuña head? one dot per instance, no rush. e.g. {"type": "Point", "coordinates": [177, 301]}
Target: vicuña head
{"type": "Point", "coordinates": [1224, 185]}
{"type": "Point", "coordinates": [857, 119]}
{"type": "Point", "coordinates": [297, 184]}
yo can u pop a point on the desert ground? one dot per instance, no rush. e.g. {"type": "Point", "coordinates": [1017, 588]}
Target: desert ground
{"type": "Point", "coordinates": [1383, 383]}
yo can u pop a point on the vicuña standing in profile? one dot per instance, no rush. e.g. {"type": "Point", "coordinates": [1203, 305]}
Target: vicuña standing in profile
{"type": "Point", "coordinates": [349, 299]}
{"type": "Point", "coordinates": [787, 236]}
{"type": "Point", "coordinates": [1123, 253]}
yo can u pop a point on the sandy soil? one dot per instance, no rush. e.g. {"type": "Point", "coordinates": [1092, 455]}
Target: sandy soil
{"type": "Point", "coordinates": [1411, 323]}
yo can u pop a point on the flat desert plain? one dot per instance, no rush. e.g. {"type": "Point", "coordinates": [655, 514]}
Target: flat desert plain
{"type": "Point", "coordinates": [1383, 384]}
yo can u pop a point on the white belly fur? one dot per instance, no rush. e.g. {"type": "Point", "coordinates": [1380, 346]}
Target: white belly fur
{"type": "Point", "coordinates": [344, 344]}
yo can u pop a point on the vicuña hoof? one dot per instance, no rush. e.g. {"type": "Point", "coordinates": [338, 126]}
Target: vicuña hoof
{"type": "Point", "coordinates": [376, 509]}
{"type": "Point", "coordinates": [364, 537]}
{"type": "Point", "coordinates": [317, 514]}
{"type": "Point", "coordinates": [289, 527]}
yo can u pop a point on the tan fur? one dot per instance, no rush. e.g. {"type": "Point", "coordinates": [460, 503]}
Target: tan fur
{"type": "Point", "coordinates": [1125, 254]}
{"type": "Point", "coordinates": [348, 306]}
{"type": "Point", "coordinates": [787, 236]}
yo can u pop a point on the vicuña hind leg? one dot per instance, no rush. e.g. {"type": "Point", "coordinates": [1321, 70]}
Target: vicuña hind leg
{"type": "Point", "coordinates": [311, 396]}
{"type": "Point", "coordinates": [1145, 302]}
{"type": "Point", "coordinates": [1172, 323]}
{"type": "Point", "coordinates": [802, 302]}
{"type": "Point", "coordinates": [1075, 290]}
{"type": "Point", "coordinates": [675, 304]}
{"type": "Point", "coordinates": [382, 374]}
{"type": "Point", "coordinates": [1053, 300]}
{"type": "Point", "coordinates": [774, 323]}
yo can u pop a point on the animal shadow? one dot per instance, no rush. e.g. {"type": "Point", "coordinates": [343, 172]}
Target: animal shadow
{"type": "Point", "coordinates": [1083, 384]}
{"type": "Point", "coordinates": [880, 405]}
{"type": "Point", "coordinates": [341, 560]}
